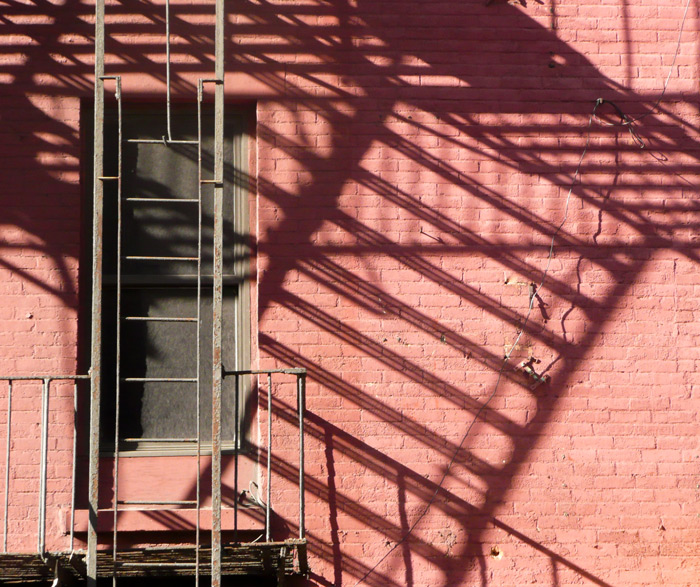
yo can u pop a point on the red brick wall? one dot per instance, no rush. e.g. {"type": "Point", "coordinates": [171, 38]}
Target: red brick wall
{"type": "Point", "coordinates": [412, 163]}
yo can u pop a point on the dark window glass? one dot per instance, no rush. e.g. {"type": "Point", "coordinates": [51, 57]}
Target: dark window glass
{"type": "Point", "coordinates": [160, 218]}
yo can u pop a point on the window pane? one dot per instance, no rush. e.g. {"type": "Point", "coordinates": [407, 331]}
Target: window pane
{"type": "Point", "coordinates": [165, 229]}
{"type": "Point", "coordinates": [167, 288]}
{"type": "Point", "coordinates": [169, 350]}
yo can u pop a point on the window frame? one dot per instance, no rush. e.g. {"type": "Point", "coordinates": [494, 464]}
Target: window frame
{"type": "Point", "coordinates": [240, 122]}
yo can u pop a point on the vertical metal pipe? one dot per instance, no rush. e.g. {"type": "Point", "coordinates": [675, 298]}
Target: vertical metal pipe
{"type": "Point", "coordinates": [199, 325]}
{"type": "Point", "coordinates": [41, 535]}
{"type": "Point", "coordinates": [96, 330]}
{"type": "Point", "coordinates": [216, 397]}
{"type": "Point", "coordinates": [75, 465]}
{"type": "Point", "coordinates": [7, 465]}
{"type": "Point", "coordinates": [217, 301]}
{"type": "Point", "coordinates": [301, 408]}
{"type": "Point", "coordinates": [118, 96]}
{"type": "Point", "coordinates": [269, 458]}
{"type": "Point", "coordinates": [236, 453]}
{"type": "Point", "coordinates": [167, 64]}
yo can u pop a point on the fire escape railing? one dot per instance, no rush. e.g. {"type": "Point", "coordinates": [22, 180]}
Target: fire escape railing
{"type": "Point", "coordinates": [107, 187]}
{"type": "Point", "coordinates": [300, 374]}
{"type": "Point", "coordinates": [42, 467]}
{"type": "Point", "coordinates": [47, 436]}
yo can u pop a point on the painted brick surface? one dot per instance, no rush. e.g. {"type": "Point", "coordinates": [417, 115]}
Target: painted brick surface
{"type": "Point", "coordinates": [411, 164]}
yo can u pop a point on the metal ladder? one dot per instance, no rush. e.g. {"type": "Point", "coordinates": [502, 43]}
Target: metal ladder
{"type": "Point", "coordinates": [123, 380]}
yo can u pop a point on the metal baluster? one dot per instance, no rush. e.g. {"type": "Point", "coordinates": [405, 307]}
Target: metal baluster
{"type": "Point", "coordinates": [236, 452]}
{"type": "Point", "coordinates": [7, 464]}
{"type": "Point", "coordinates": [75, 465]}
{"type": "Point", "coordinates": [301, 408]}
{"type": "Point", "coordinates": [41, 536]}
{"type": "Point", "coordinates": [269, 458]}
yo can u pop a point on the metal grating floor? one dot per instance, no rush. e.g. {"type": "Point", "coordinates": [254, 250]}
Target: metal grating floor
{"type": "Point", "coordinates": [271, 559]}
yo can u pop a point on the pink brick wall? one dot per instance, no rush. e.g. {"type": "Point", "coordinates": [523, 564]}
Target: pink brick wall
{"type": "Point", "coordinates": [412, 161]}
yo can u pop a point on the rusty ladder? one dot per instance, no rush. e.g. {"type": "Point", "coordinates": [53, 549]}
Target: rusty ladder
{"type": "Point", "coordinates": [101, 181]}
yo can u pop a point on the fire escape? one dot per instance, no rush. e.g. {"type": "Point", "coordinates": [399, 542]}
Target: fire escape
{"type": "Point", "coordinates": [192, 541]}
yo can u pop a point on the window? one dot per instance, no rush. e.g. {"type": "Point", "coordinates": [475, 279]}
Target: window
{"type": "Point", "coordinates": [154, 273]}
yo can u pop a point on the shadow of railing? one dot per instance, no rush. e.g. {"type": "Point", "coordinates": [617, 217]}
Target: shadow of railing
{"type": "Point", "coordinates": [407, 193]}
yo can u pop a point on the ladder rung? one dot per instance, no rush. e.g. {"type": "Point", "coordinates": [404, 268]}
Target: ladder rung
{"type": "Point", "coordinates": [164, 200]}
{"type": "Point", "coordinates": [144, 258]}
{"type": "Point", "coordinates": [159, 380]}
{"type": "Point", "coordinates": [159, 319]}
{"type": "Point", "coordinates": [173, 502]}
{"type": "Point", "coordinates": [155, 565]}
{"type": "Point", "coordinates": [162, 141]}
{"type": "Point", "coordinates": [159, 440]}
{"type": "Point", "coordinates": [108, 177]}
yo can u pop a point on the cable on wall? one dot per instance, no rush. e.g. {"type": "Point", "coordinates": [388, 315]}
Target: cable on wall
{"type": "Point", "coordinates": [630, 122]}
{"type": "Point", "coordinates": [625, 121]}
{"type": "Point", "coordinates": [506, 358]}
{"type": "Point", "coordinates": [670, 69]}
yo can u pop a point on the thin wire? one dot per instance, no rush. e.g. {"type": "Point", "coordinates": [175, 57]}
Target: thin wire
{"type": "Point", "coordinates": [626, 121]}
{"type": "Point", "coordinates": [670, 69]}
{"type": "Point", "coordinates": [484, 405]}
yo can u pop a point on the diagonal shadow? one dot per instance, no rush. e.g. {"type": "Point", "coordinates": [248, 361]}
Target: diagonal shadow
{"type": "Point", "coordinates": [357, 71]}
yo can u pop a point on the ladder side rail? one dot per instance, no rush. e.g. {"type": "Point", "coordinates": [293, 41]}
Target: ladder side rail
{"type": "Point", "coordinates": [117, 381]}
{"type": "Point", "coordinates": [96, 303]}
{"type": "Point", "coordinates": [217, 293]}
{"type": "Point", "coordinates": [199, 328]}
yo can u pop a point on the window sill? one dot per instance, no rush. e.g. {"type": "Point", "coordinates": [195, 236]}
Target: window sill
{"type": "Point", "coordinates": [175, 449]}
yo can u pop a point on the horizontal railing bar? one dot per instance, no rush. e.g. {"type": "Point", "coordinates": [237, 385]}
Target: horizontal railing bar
{"type": "Point", "coordinates": [162, 141]}
{"type": "Point", "coordinates": [161, 502]}
{"type": "Point", "coordinates": [159, 319]}
{"type": "Point", "coordinates": [159, 380]}
{"type": "Point", "coordinates": [294, 371]}
{"type": "Point", "coordinates": [164, 200]}
{"type": "Point", "coordinates": [145, 258]}
{"type": "Point", "coordinates": [42, 377]}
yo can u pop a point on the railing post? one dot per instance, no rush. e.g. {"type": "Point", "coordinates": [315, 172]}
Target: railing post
{"type": "Point", "coordinates": [75, 465]}
{"type": "Point", "coordinates": [301, 408]}
{"type": "Point", "coordinates": [7, 464]}
{"type": "Point", "coordinates": [236, 454]}
{"type": "Point", "coordinates": [41, 533]}
{"type": "Point", "coordinates": [269, 458]}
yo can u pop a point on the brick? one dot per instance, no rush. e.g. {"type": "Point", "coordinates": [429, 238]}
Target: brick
{"type": "Point", "coordinates": [368, 149]}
